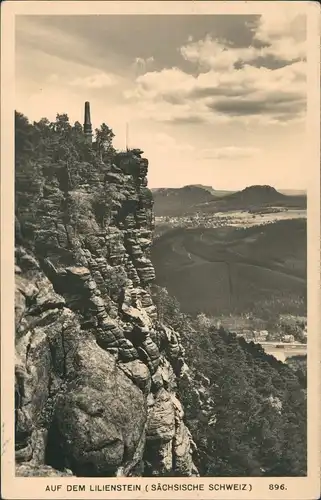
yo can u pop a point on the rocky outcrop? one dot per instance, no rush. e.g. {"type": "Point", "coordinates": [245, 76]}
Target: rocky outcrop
{"type": "Point", "coordinates": [96, 373]}
{"type": "Point", "coordinates": [109, 406]}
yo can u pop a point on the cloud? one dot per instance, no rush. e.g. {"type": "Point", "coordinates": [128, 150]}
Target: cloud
{"type": "Point", "coordinates": [188, 119]}
{"type": "Point", "coordinates": [216, 54]}
{"type": "Point", "coordinates": [284, 34]}
{"type": "Point", "coordinates": [261, 94]}
{"type": "Point", "coordinates": [95, 81]}
{"type": "Point", "coordinates": [280, 35]}
{"type": "Point", "coordinates": [240, 107]}
{"type": "Point", "coordinates": [285, 103]}
{"type": "Point", "coordinates": [285, 22]}
{"type": "Point", "coordinates": [157, 84]}
{"type": "Point", "coordinates": [228, 153]}
{"type": "Point", "coordinates": [142, 64]}
{"type": "Point", "coordinates": [263, 82]}
{"type": "Point", "coordinates": [198, 101]}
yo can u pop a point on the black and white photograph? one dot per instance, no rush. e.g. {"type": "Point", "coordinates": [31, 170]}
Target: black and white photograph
{"type": "Point", "coordinates": [161, 185]}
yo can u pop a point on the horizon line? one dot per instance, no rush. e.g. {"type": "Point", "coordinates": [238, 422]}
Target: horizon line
{"type": "Point", "coordinates": [230, 189]}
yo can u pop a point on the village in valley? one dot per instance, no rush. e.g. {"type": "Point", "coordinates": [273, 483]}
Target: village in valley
{"type": "Point", "coordinates": [241, 219]}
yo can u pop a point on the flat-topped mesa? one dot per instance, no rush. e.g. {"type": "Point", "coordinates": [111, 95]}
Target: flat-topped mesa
{"type": "Point", "coordinates": [87, 123]}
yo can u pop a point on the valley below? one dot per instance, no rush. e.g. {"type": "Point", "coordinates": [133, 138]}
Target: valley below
{"type": "Point", "coordinates": [243, 268]}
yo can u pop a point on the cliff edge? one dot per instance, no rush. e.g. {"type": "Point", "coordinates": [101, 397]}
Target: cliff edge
{"type": "Point", "coordinates": [96, 371]}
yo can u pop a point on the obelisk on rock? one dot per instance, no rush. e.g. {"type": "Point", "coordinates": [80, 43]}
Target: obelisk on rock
{"type": "Point", "coordinates": [87, 123]}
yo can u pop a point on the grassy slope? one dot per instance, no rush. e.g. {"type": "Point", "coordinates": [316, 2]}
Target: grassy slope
{"type": "Point", "coordinates": [225, 270]}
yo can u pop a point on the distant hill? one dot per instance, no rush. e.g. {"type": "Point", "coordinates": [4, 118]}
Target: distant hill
{"type": "Point", "coordinates": [253, 197]}
{"type": "Point", "coordinates": [178, 201]}
{"type": "Point", "coordinates": [198, 198]}
{"type": "Point", "coordinates": [210, 189]}
{"type": "Point", "coordinates": [215, 192]}
{"type": "Point", "coordinates": [234, 270]}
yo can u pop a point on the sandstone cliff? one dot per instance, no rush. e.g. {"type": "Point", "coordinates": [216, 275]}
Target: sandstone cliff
{"type": "Point", "coordinates": [96, 371]}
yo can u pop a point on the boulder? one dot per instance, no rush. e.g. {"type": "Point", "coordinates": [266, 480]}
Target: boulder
{"type": "Point", "coordinates": [161, 419]}
{"type": "Point", "coordinates": [102, 401]}
{"type": "Point", "coordinates": [138, 372]}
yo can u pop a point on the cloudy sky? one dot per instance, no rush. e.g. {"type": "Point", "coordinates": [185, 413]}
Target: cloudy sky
{"type": "Point", "coordinates": [217, 99]}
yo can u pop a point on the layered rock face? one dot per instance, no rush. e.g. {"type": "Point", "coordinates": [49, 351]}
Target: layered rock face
{"type": "Point", "coordinates": [96, 372]}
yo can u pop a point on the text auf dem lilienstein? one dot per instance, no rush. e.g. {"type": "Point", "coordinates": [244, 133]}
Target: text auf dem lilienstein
{"type": "Point", "coordinates": [149, 487]}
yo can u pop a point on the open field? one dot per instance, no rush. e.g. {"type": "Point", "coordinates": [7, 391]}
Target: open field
{"type": "Point", "coordinates": [246, 219]}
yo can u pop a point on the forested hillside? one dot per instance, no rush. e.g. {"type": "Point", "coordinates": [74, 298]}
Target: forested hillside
{"type": "Point", "coordinates": [260, 269]}
{"type": "Point", "coordinates": [245, 409]}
